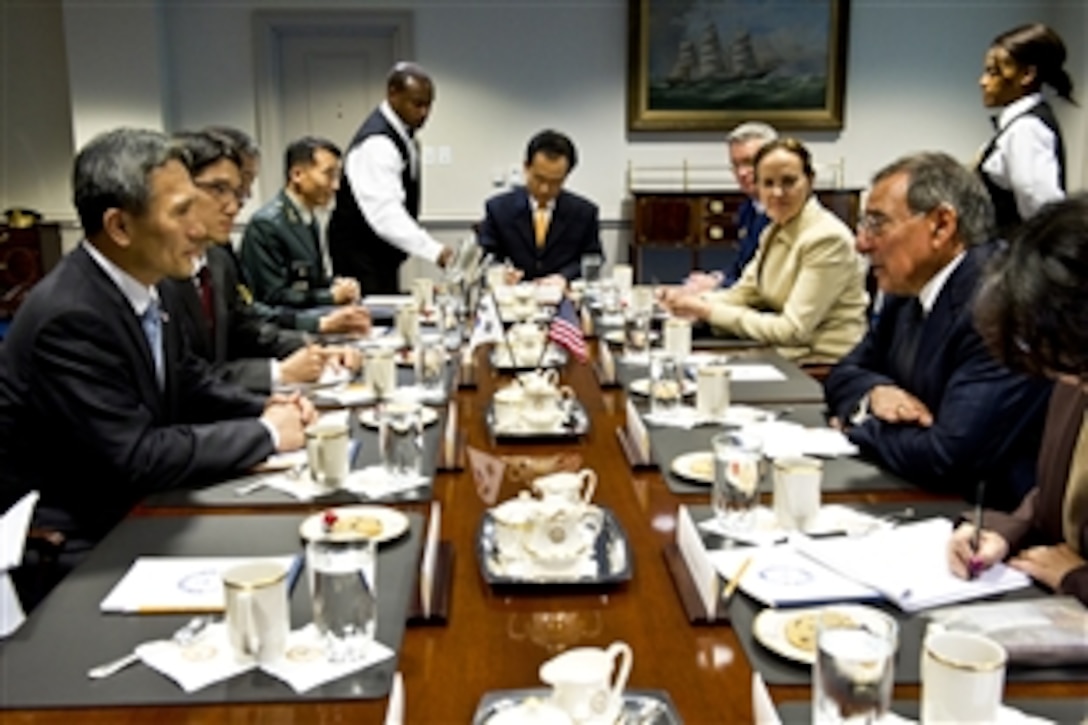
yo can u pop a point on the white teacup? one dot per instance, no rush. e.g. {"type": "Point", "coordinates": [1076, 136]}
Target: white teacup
{"type": "Point", "coordinates": [623, 276]}
{"type": "Point", "coordinates": [587, 682]}
{"type": "Point", "coordinates": [513, 521]}
{"type": "Point", "coordinates": [506, 406]}
{"type": "Point", "coordinates": [256, 612]}
{"type": "Point", "coordinates": [677, 337]}
{"type": "Point", "coordinates": [560, 532]}
{"type": "Point", "coordinates": [797, 491]}
{"type": "Point", "coordinates": [327, 444]}
{"type": "Point", "coordinates": [543, 420]}
{"type": "Point", "coordinates": [423, 292]}
{"type": "Point", "coordinates": [963, 677]}
{"type": "Point", "coordinates": [712, 390]}
{"type": "Point", "coordinates": [575, 488]}
{"type": "Point", "coordinates": [407, 323]}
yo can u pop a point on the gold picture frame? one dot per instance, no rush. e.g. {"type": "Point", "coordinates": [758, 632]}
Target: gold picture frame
{"type": "Point", "coordinates": [710, 66]}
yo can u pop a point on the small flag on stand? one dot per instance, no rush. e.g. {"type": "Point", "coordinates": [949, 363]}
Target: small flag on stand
{"type": "Point", "coordinates": [566, 330]}
{"type": "Point", "coordinates": [488, 325]}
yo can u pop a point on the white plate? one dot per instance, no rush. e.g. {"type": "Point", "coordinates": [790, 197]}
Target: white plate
{"type": "Point", "coordinates": [685, 467]}
{"type": "Point", "coordinates": [742, 415]}
{"type": "Point", "coordinates": [394, 523]}
{"type": "Point", "coordinates": [369, 417]}
{"type": "Point", "coordinates": [616, 337]}
{"type": "Point", "coordinates": [642, 387]}
{"type": "Point", "coordinates": [769, 627]}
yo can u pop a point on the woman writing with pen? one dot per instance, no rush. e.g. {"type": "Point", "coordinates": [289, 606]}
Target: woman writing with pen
{"type": "Point", "coordinates": [1032, 312]}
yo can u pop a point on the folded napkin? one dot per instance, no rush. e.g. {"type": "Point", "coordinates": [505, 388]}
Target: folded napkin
{"type": "Point", "coordinates": [682, 416]}
{"type": "Point", "coordinates": [333, 374]}
{"type": "Point", "coordinates": [613, 319]}
{"type": "Point", "coordinates": [374, 482]}
{"type": "Point", "coordinates": [304, 667]}
{"type": "Point", "coordinates": [831, 519]}
{"type": "Point", "coordinates": [206, 660]}
{"type": "Point", "coordinates": [282, 461]}
{"type": "Point", "coordinates": [349, 394]}
{"type": "Point", "coordinates": [782, 439]}
{"type": "Point", "coordinates": [418, 394]}
{"type": "Point", "coordinates": [301, 487]}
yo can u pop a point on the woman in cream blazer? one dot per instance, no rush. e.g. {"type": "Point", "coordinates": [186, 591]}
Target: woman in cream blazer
{"type": "Point", "coordinates": [804, 291]}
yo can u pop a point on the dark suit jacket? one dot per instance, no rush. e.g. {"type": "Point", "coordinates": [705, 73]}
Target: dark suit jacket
{"type": "Point", "coordinates": [244, 340]}
{"type": "Point", "coordinates": [987, 420]}
{"type": "Point", "coordinates": [82, 418]}
{"type": "Point", "coordinates": [281, 262]}
{"type": "Point", "coordinates": [507, 232]}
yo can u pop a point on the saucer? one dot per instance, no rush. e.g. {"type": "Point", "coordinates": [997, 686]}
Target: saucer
{"type": "Point", "coordinates": [697, 467]}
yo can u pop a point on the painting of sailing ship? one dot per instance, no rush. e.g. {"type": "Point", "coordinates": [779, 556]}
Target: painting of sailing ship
{"type": "Point", "coordinates": [708, 64]}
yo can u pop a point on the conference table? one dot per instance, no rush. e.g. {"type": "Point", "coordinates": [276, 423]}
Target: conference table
{"type": "Point", "coordinates": [497, 637]}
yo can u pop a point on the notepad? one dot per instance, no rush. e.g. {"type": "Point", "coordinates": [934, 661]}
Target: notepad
{"type": "Point", "coordinates": [909, 565]}
{"type": "Point", "coordinates": [756, 373]}
{"type": "Point", "coordinates": [174, 584]}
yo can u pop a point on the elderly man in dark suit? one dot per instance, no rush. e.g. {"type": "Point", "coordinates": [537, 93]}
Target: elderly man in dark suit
{"type": "Point", "coordinates": [542, 230]}
{"type": "Point", "coordinates": [101, 401]}
{"type": "Point", "coordinates": [921, 394]}
{"type": "Point", "coordinates": [219, 322]}
{"type": "Point", "coordinates": [283, 252]}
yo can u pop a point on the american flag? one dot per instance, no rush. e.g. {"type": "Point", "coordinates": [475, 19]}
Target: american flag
{"type": "Point", "coordinates": [566, 330]}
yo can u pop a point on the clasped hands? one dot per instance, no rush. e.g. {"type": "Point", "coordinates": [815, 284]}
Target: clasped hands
{"type": "Point", "coordinates": [289, 414]}
{"type": "Point", "coordinates": [306, 364]}
{"type": "Point", "coordinates": [1045, 564]}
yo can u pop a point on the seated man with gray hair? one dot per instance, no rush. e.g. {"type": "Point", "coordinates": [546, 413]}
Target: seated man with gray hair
{"type": "Point", "coordinates": [744, 141]}
{"type": "Point", "coordinates": [921, 394]}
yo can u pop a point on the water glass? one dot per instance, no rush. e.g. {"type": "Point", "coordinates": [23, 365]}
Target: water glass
{"type": "Point", "coordinates": [400, 436]}
{"type": "Point", "coordinates": [855, 668]}
{"type": "Point", "coordinates": [636, 334]}
{"type": "Point", "coordinates": [430, 366]}
{"type": "Point", "coordinates": [342, 573]}
{"type": "Point", "coordinates": [591, 268]}
{"type": "Point", "coordinates": [738, 469]}
{"type": "Point", "coordinates": [609, 296]}
{"type": "Point", "coordinates": [666, 383]}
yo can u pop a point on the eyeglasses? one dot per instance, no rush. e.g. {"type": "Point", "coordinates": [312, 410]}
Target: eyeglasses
{"type": "Point", "coordinates": [874, 223]}
{"type": "Point", "coordinates": [222, 191]}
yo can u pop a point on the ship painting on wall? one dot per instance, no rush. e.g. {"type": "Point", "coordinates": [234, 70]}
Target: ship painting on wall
{"type": "Point", "coordinates": [699, 65]}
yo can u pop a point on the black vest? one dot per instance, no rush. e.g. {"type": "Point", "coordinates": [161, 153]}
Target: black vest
{"type": "Point", "coordinates": [1005, 211]}
{"type": "Point", "coordinates": [355, 248]}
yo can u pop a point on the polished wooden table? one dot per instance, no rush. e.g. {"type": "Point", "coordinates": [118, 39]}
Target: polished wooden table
{"type": "Point", "coordinates": [497, 639]}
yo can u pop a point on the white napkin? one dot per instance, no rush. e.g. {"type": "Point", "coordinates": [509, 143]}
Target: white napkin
{"type": "Point", "coordinates": [763, 709]}
{"type": "Point", "coordinates": [831, 518]}
{"type": "Point", "coordinates": [304, 667]}
{"type": "Point", "coordinates": [303, 488]}
{"type": "Point", "coordinates": [13, 528]}
{"type": "Point", "coordinates": [1005, 716]}
{"type": "Point", "coordinates": [349, 394]}
{"type": "Point", "coordinates": [374, 482]}
{"type": "Point", "coordinates": [683, 416]}
{"type": "Point", "coordinates": [417, 394]}
{"type": "Point", "coordinates": [282, 461]}
{"type": "Point", "coordinates": [203, 662]}
{"type": "Point", "coordinates": [782, 439]}
{"type": "Point", "coordinates": [613, 319]}
{"type": "Point", "coordinates": [333, 374]}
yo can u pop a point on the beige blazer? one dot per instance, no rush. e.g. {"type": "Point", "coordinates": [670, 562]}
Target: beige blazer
{"type": "Point", "coordinates": [802, 293]}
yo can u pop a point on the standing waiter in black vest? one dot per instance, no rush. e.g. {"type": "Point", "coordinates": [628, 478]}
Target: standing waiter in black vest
{"type": "Point", "coordinates": [374, 226]}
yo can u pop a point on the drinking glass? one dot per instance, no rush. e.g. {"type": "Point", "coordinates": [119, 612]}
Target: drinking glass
{"type": "Point", "coordinates": [609, 296]}
{"type": "Point", "coordinates": [342, 573]}
{"type": "Point", "coordinates": [738, 469]}
{"type": "Point", "coordinates": [855, 668]}
{"type": "Point", "coordinates": [430, 366]}
{"type": "Point", "coordinates": [400, 435]}
{"type": "Point", "coordinates": [666, 383]}
{"type": "Point", "coordinates": [591, 268]}
{"type": "Point", "coordinates": [636, 334]}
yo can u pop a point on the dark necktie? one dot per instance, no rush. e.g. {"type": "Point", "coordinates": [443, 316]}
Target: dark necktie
{"type": "Point", "coordinates": [207, 297]}
{"type": "Point", "coordinates": [995, 123]}
{"type": "Point", "coordinates": [151, 322]}
{"type": "Point", "coordinates": [905, 345]}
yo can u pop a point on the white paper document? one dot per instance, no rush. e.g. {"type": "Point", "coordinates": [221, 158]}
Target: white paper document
{"type": "Point", "coordinates": [160, 584]}
{"type": "Point", "coordinates": [909, 565]}
{"type": "Point", "coordinates": [387, 300]}
{"type": "Point", "coordinates": [756, 373]}
{"type": "Point", "coordinates": [780, 577]}
{"type": "Point", "coordinates": [783, 439]}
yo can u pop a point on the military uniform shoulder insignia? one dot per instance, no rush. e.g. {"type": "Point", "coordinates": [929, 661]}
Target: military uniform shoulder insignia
{"type": "Point", "coordinates": [245, 294]}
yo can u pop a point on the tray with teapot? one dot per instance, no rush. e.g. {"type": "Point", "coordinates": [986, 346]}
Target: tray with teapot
{"type": "Point", "coordinates": [639, 707]}
{"type": "Point", "coordinates": [534, 406]}
{"type": "Point", "coordinates": [556, 537]}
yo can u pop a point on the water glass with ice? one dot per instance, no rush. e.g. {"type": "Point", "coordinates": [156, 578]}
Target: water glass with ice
{"type": "Point", "coordinates": [342, 572]}
{"type": "Point", "coordinates": [738, 470]}
{"type": "Point", "coordinates": [855, 668]}
{"type": "Point", "coordinates": [400, 436]}
{"type": "Point", "coordinates": [666, 384]}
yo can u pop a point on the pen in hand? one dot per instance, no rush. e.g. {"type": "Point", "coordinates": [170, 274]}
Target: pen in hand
{"type": "Point", "coordinates": [974, 566]}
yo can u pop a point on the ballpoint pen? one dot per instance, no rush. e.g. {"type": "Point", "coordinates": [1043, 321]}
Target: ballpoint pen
{"type": "Point", "coordinates": [974, 566]}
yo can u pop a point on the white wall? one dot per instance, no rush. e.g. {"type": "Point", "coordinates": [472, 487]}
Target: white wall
{"type": "Point", "coordinates": [506, 69]}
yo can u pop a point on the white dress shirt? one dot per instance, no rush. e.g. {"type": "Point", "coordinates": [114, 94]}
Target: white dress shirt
{"type": "Point", "coordinates": [1025, 157]}
{"type": "Point", "coordinates": [373, 170]}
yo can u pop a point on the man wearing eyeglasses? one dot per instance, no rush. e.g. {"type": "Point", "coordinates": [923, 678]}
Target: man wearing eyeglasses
{"type": "Point", "coordinates": [220, 324]}
{"type": "Point", "coordinates": [920, 394]}
{"type": "Point", "coordinates": [283, 249]}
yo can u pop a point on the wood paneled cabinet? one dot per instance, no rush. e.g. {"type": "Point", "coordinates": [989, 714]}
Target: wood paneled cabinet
{"type": "Point", "coordinates": [677, 231]}
{"type": "Point", "coordinates": [26, 254]}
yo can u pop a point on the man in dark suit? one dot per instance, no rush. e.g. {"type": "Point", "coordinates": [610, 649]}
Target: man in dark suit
{"type": "Point", "coordinates": [220, 323]}
{"type": "Point", "coordinates": [540, 229]}
{"type": "Point", "coordinates": [282, 251]}
{"type": "Point", "coordinates": [921, 394]}
{"type": "Point", "coordinates": [101, 401]}
{"type": "Point", "coordinates": [375, 226]}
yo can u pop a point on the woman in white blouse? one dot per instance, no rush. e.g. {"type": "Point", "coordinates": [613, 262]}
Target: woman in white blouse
{"type": "Point", "coordinates": [1023, 165]}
